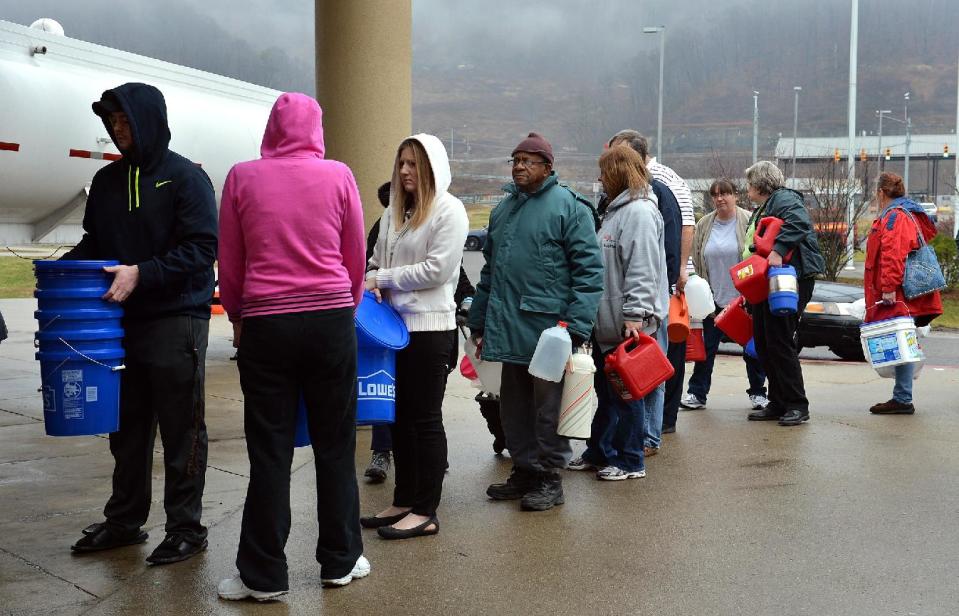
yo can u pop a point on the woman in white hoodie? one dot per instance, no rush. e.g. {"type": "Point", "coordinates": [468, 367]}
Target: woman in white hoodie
{"type": "Point", "coordinates": [415, 267]}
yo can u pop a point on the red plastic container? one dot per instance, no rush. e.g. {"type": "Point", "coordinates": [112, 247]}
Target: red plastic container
{"type": "Point", "coordinates": [637, 367]}
{"type": "Point", "coordinates": [735, 322]}
{"type": "Point", "coordinates": [749, 278]}
{"type": "Point", "coordinates": [764, 239]}
{"type": "Point", "coordinates": [695, 345]}
{"type": "Point", "coordinates": [678, 329]}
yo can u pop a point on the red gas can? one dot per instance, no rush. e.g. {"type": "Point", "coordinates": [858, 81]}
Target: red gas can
{"type": "Point", "coordinates": [637, 367]}
{"type": "Point", "coordinates": [749, 278]}
{"type": "Point", "coordinates": [764, 239]}
{"type": "Point", "coordinates": [735, 322]}
{"type": "Point", "coordinates": [695, 345]}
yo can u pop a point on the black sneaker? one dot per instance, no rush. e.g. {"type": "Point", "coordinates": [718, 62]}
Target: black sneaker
{"type": "Point", "coordinates": [379, 467]}
{"type": "Point", "coordinates": [547, 494]}
{"type": "Point", "coordinates": [176, 547]}
{"type": "Point", "coordinates": [519, 483]}
{"type": "Point", "coordinates": [770, 413]}
{"type": "Point", "coordinates": [794, 418]}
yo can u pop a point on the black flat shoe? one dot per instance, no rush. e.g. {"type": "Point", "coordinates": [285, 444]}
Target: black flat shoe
{"type": "Point", "coordinates": [794, 418]}
{"type": "Point", "coordinates": [388, 532]}
{"type": "Point", "coordinates": [376, 522]}
{"type": "Point", "coordinates": [99, 537]}
{"type": "Point", "coordinates": [176, 547]}
{"type": "Point", "coordinates": [767, 414]}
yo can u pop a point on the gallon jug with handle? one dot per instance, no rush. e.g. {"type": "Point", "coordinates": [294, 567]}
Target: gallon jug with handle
{"type": "Point", "coordinates": [551, 354]}
{"type": "Point", "coordinates": [637, 367]}
{"type": "Point", "coordinates": [489, 373]}
{"type": "Point", "coordinates": [579, 398]}
{"type": "Point", "coordinates": [749, 278]}
{"type": "Point", "coordinates": [699, 298]}
{"type": "Point", "coordinates": [735, 322]}
{"type": "Point", "coordinates": [783, 290]}
{"type": "Point", "coordinates": [765, 238]}
{"type": "Point", "coordinates": [678, 328]}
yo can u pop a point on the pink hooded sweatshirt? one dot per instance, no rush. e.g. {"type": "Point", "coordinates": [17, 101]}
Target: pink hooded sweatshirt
{"type": "Point", "coordinates": [291, 223]}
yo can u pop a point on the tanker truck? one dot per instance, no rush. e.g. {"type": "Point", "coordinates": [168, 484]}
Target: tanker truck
{"type": "Point", "coordinates": [51, 143]}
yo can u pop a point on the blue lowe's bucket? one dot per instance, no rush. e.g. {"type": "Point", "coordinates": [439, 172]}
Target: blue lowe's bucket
{"type": "Point", "coordinates": [380, 332]}
{"type": "Point", "coordinates": [80, 347]}
{"type": "Point", "coordinates": [81, 393]}
{"type": "Point", "coordinates": [783, 290]}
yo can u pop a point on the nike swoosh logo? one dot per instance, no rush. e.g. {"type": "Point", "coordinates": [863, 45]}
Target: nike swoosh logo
{"type": "Point", "coordinates": [159, 184]}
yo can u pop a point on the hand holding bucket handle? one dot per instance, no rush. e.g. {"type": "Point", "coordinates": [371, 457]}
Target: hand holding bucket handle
{"type": "Point", "coordinates": [880, 311]}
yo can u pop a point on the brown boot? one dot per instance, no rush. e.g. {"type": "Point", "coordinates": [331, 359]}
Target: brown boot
{"type": "Point", "coordinates": [892, 408]}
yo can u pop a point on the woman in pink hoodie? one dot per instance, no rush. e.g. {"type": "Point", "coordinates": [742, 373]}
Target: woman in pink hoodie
{"type": "Point", "coordinates": [292, 257]}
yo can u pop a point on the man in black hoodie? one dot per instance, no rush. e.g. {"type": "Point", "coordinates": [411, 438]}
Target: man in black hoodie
{"type": "Point", "coordinates": [155, 212]}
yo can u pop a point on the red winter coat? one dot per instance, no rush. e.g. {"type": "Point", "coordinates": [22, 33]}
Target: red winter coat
{"type": "Point", "coordinates": [886, 250]}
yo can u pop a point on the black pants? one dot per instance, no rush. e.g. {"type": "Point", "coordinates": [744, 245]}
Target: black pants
{"type": "Point", "coordinates": [419, 439]}
{"type": "Point", "coordinates": [775, 338]}
{"type": "Point", "coordinates": [281, 356]}
{"type": "Point", "coordinates": [162, 385]}
{"type": "Point", "coordinates": [676, 354]}
{"type": "Point", "coordinates": [529, 410]}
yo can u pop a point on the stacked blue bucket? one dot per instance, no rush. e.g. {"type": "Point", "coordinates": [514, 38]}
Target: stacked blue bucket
{"type": "Point", "coordinates": [380, 333]}
{"type": "Point", "coordinates": [80, 347]}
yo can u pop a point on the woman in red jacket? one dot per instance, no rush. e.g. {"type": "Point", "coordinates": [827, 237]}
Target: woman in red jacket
{"type": "Point", "coordinates": [894, 234]}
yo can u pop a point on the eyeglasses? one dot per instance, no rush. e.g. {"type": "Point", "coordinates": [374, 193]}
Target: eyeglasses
{"type": "Point", "coordinates": [523, 162]}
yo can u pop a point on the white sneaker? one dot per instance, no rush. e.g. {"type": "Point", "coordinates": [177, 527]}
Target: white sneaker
{"type": "Point", "coordinates": [233, 589]}
{"type": "Point", "coordinates": [580, 464]}
{"type": "Point", "coordinates": [612, 473]}
{"type": "Point", "coordinates": [759, 402]}
{"type": "Point", "coordinates": [360, 570]}
{"type": "Point", "coordinates": [691, 401]}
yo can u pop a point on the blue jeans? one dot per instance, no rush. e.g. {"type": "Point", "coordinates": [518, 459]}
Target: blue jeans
{"type": "Point", "coordinates": [616, 435]}
{"type": "Point", "coordinates": [701, 380]}
{"type": "Point", "coordinates": [653, 418]}
{"type": "Point", "coordinates": [902, 392]}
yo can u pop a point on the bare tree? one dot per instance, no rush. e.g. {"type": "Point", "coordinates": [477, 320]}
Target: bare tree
{"type": "Point", "coordinates": [829, 195]}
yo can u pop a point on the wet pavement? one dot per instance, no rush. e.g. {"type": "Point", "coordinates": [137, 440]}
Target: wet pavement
{"type": "Point", "coordinates": [849, 514]}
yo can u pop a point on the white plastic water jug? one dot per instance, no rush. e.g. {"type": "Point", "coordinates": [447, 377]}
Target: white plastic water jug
{"type": "Point", "coordinates": [490, 373]}
{"type": "Point", "coordinates": [579, 398]}
{"type": "Point", "coordinates": [551, 354]}
{"type": "Point", "coordinates": [699, 298]}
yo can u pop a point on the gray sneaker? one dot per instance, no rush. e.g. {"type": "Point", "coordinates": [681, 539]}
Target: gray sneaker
{"type": "Point", "coordinates": [692, 402]}
{"type": "Point", "coordinates": [379, 467]}
{"type": "Point", "coordinates": [613, 473]}
{"type": "Point", "coordinates": [758, 401]}
{"type": "Point", "coordinates": [580, 464]}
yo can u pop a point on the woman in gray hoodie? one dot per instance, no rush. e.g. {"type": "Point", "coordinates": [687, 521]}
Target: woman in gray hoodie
{"type": "Point", "coordinates": [635, 299]}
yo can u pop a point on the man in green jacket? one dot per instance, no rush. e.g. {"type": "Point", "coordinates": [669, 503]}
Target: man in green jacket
{"type": "Point", "coordinates": [543, 265]}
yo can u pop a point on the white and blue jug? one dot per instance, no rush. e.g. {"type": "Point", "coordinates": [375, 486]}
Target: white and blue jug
{"type": "Point", "coordinates": [783, 290]}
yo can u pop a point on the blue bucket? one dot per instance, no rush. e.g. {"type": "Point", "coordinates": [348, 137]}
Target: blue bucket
{"type": "Point", "coordinates": [302, 438]}
{"type": "Point", "coordinates": [81, 395]}
{"type": "Point", "coordinates": [783, 290]}
{"type": "Point", "coordinates": [750, 349]}
{"type": "Point", "coordinates": [80, 342]}
{"type": "Point", "coordinates": [380, 332]}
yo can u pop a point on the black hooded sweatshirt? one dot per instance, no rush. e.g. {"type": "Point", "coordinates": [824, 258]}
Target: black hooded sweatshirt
{"type": "Point", "coordinates": [154, 209]}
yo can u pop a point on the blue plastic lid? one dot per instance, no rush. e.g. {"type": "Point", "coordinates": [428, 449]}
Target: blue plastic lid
{"type": "Point", "coordinates": [785, 270]}
{"type": "Point", "coordinates": [79, 314]}
{"type": "Point", "coordinates": [381, 323]}
{"type": "Point", "coordinates": [72, 266]}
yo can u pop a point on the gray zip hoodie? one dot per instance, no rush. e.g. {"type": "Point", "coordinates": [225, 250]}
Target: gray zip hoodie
{"type": "Point", "coordinates": [635, 287]}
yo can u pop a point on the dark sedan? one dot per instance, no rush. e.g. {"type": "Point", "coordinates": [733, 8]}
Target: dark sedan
{"type": "Point", "coordinates": [476, 239]}
{"type": "Point", "coordinates": [831, 320]}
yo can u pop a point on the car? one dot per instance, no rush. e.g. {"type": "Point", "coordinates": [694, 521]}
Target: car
{"type": "Point", "coordinates": [932, 211]}
{"type": "Point", "coordinates": [476, 239]}
{"type": "Point", "coordinates": [832, 319]}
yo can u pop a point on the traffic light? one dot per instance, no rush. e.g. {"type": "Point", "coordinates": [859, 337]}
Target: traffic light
{"type": "Point", "coordinates": [888, 153]}
{"type": "Point", "coordinates": [862, 154]}
{"type": "Point", "coordinates": [835, 155]}
{"type": "Point", "coordinates": [945, 151]}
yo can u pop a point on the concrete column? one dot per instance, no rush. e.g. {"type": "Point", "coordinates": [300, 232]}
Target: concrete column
{"type": "Point", "coordinates": [364, 59]}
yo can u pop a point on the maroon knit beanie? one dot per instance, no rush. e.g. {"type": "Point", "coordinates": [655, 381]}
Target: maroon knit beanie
{"type": "Point", "coordinates": [535, 144]}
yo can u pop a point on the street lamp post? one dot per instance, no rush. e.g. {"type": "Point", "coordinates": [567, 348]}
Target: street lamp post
{"type": "Point", "coordinates": [851, 168]}
{"type": "Point", "coordinates": [755, 126]}
{"type": "Point", "coordinates": [905, 174]}
{"type": "Point", "coordinates": [797, 90]}
{"type": "Point", "coordinates": [661, 30]}
{"type": "Point", "coordinates": [882, 158]}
